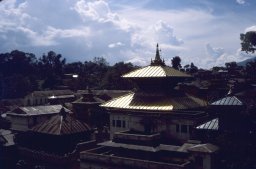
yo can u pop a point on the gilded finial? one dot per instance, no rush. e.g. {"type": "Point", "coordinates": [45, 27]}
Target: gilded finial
{"type": "Point", "coordinates": [157, 60]}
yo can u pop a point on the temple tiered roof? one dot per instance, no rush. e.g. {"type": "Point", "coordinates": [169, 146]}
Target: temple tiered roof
{"type": "Point", "coordinates": [156, 71]}
{"type": "Point", "coordinates": [156, 90]}
{"type": "Point", "coordinates": [157, 68]}
{"type": "Point", "coordinates": [156, 103]}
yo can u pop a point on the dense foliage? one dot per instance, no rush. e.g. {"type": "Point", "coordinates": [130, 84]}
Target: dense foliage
{"type": "Point", "coordinates": [248, 43]}
{"type": "Point", "coordinates": [21, 73]}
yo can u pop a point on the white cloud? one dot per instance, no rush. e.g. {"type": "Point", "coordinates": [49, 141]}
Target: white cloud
{"type": "Point", "coordinates": [99, 11]}
{"type": "Point", "coordinates": [114, 45]}
{"type": "Point", "coordinates": [251, 28]}
{"type": "Point", "coordinates": [138, 61]}
{"type": "Point", "coordinates": [214, 52]}
{"type": "Point", "coordinates": [83, 29]}
{"type": "Point", "coordinates": [218, 56]}
{"type": "Point", "coordinates": [241, 2]}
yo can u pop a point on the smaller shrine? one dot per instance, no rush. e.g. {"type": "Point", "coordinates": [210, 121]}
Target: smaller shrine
{"type": "Point", "coordinates": [54, 142]}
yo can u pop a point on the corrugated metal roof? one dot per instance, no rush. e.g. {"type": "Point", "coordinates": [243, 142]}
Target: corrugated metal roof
{"type": "Point", "coordinates": [61, 96]}
{"type": "Point", "coordinates": [140, 147]}
{"type": "Point", "coordinates": [38, 110]}
{"type": "Point", "coordinates": [160, 103]}
{"type": "Point", "coordinates": [228, 101]}
{"type": "Point", "coordinates": [210, 125]}
{"type": "Point", "coordinates": [60, 125]}
{"type": "Point", "coordinates": [155, 71]}
{"type": "Point", "coordinates": [47, 93]}
{"type": "Point", "coordinates": [204, 148]}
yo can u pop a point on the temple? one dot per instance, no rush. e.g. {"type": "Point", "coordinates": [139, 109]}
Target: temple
{"type": "Point", "coordinates": [152, 126]}
{"type": "Point", "coordinates": [157, 105]}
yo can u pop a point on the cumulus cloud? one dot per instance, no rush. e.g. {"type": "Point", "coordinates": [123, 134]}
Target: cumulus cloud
{"type": "Point", "coordinates": [114, 45]}
{"type": "Point", "coordinates": [218, 56]}
{"type": "Point", "coordinates": [214, 52]}
{"type": "Point", "coordinates": [241, 2]}
{"type": "Point", "coordinates": [138, 61]}
{"type": "Point", "coordinates": [83, 29]}
{"type": "Point", "coordinates": [251, 28]}
{"type": "Point", "coordinates": [99, 11]}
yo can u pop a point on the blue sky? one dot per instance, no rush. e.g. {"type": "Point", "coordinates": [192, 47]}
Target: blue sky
{"type": "Point", "coordinates": [205, 32]}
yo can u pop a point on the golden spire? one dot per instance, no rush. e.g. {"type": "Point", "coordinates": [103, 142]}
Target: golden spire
{"type": "Point", "coordinates": [158, 61]}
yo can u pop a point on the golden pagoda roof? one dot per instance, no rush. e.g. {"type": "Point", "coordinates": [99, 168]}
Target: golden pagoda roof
{"type": "Point", "coordinates": [155, 71]}
{"type": "Point", "coordinates": [158, 103]}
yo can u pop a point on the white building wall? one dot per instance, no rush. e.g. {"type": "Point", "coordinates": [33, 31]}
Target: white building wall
{"type": "Point", "coordinates": [180, 128]}
{"type": "Point", "coordinates": [114, 123]}
{"type": "Point", "coordinates": [169, 126]}
{"type": "Point", "coordinates": [33, 101]}
{"type": "Point", "coordinates": [19, 123]}
{"type": "Point", "coordinates": [23, 123]}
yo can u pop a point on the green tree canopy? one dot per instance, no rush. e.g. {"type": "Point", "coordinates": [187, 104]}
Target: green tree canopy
{"type": "Point", "coordinates": [176, 62]}
{"type": "Point", "coordinates": [248, 43]}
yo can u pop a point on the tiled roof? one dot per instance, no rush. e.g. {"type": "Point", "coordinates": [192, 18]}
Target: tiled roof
{"type": "Point", "coordinates": [228, 101]}
{"type": "Point", "coordinates": [38, 110]}
{"type": "Point", "coordinates": [155, 71]}
{"type": "Point", "coordinates": [60, 125]}
{"type": "Point", "coordinates": [159, 103]}
{"type": "Point", "coordinates": [210, 125]}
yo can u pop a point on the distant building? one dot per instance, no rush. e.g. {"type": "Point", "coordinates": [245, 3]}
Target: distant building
{"type": "Point", "coordinates": [24, 118]}
{"type": "Point", "coordinates": [87, 109]}
{"type": "Point", "coordinates": [44, 97]}
{"type": "Point", "coordinates": [233, 113]}
{"type": "Point", "coordinates": [84, 106]}
{"type": "Point", "coordinates": [54, 142]}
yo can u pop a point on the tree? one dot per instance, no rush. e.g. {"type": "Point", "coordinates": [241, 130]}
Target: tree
{"type": "Point", "coordinates": [113, 79]}
{"type": "Point", "coordinates": [193, 68]}
{"type": "Point", "coordinates": [176, 62]}
{"type": "Point", "coordinates": [51, 63]}
{"type": "Point", "coordinates": [74, 68]}
{"type": "Point", "coordinates": [251, 69]}
{"type": "Point", "coordinates": [231, 67]}
{"type": "Point", "coordinates": [248, 41]}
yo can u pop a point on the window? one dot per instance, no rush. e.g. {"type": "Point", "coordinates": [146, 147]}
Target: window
{"type": "Point", "coordinates": [177, 128]}
{"type": "Point", "coordinates": [113, 123]}
{"type": "Point", "coordinates": [123, 124]}
{"type": "Point", "coordinates": [118, 123]}
{"type": "Point", "coordinates": [184, 129]}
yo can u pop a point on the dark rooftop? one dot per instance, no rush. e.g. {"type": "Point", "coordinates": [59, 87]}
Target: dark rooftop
{"type": "Point", "coordinates": [37, 110]}
{"type": "Point", "coordinates": [61, 124]}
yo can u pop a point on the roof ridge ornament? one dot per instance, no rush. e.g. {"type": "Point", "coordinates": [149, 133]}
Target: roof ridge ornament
{"type": "Point", "coordinates": [158, 61]}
